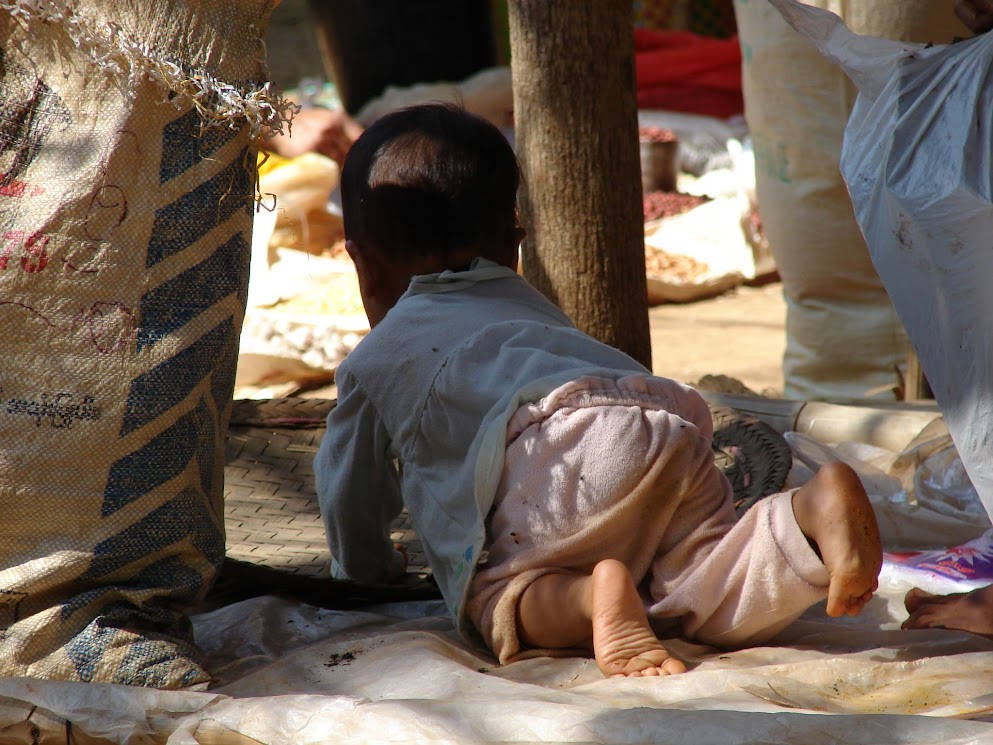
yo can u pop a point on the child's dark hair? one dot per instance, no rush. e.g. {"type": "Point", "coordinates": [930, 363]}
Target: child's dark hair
{"type": "Point", "coordinates": [429, 180]}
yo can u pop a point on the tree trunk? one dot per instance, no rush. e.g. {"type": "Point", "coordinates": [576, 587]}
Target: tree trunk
{"type": "Point", "coordinates": [576, 122]}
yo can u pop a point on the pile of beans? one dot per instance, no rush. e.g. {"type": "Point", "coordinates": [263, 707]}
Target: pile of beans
{"type": "Point", "coordinates": [675, 268]}
{"type": "Point", "coordinates": [656, 134]}
{"type": "Point", "coordinates": [659, 204]}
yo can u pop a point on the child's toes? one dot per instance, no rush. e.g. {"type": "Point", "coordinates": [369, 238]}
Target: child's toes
{"type": "Point", "coordinates": [847, 596]}
{"type": "Point", "coordinates": [847, 602]}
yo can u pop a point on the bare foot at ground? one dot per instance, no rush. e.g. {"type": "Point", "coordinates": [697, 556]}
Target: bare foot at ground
{"type": "Point", "coordinates": [834, 512]}
{"type": "Point", "coordinates": [962, 611]}
{"type": "Point", "coordinates": [624, 645]}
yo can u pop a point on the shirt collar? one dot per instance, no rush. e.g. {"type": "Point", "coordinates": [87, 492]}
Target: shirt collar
{"type": "Point", "coordinates": [480, 270]}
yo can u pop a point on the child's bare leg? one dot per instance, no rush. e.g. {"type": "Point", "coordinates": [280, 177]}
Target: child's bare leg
{"type": "Point", "coordinates": [601, 611]}
{"type": "Point", "coordinates": [963, 611]}
{"type": "Point", "coordinates": [834, 513]}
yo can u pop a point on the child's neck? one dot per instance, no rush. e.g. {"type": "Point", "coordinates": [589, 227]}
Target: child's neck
{"type": "Point", "coordinates": [384, 282]}
{"type": "Point", "coordinates": [456, 261]}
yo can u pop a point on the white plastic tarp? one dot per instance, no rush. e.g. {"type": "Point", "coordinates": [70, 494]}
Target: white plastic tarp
{"type": "Point", "coordinates": [288, 672]}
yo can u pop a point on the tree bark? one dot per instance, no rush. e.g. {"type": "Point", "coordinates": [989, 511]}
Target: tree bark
{"type": "Point", "coordinates": [576, 126]}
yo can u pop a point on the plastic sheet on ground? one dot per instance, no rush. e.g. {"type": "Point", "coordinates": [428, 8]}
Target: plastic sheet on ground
{"type": "Point", "coordinates": [287, 672]}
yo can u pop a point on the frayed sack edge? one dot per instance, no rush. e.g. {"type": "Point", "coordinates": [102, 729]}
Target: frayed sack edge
{"type": "Point", "coordinates": [219, 104]}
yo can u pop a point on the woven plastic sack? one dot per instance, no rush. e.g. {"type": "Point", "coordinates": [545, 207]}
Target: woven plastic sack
{"type": "Point", "coordinates": [917, 160]}
{"type": "Point", "coordinates": [127, 175]}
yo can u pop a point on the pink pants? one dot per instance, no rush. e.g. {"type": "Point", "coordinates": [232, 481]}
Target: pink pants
{"type": "Point", "coordinates": [623, 469]}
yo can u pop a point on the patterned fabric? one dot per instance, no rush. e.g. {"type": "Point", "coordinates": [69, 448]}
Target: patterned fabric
{"type": "Point", "coordinates": [712, 18]}
{"type": "Point", "coordinates": [654, 14]}
{"type": "Point", "coordinates": [704, 17]}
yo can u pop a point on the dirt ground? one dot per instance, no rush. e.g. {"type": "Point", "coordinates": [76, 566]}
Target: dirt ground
{"type": "Point", "coordinates": [740, 334]}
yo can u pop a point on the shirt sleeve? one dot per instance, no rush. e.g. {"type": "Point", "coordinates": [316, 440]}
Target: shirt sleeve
{"type": "Point", "coordinates": [358, 490]}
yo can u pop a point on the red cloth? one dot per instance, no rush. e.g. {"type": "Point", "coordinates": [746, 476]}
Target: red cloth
{"type": "Point", "coordinates": [683, 71]}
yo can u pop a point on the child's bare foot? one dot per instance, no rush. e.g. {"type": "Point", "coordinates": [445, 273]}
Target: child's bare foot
{"type": "Point", "coordinates": [963, 611]}
{"type": "Point", "coordinates": [623, 642]}
{"type": "Point", "coordinates": [601, 610]}
{"type": "Point", "coordinates": [834, 513]}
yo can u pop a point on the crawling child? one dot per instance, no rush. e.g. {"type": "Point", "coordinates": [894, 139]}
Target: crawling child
{"type": "Point", "coordinates": [567, 499]}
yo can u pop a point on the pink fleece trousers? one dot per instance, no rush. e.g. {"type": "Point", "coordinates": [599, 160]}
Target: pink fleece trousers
{"type": "Point", "coordinates": [603, 469]}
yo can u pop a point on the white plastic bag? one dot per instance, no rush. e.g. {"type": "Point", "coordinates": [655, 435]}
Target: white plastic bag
{"type": "Point", "coordinates": [917, 162]}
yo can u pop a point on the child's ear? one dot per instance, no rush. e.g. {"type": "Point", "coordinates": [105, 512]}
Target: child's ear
{"type": "Point", "coordinates": [353, 250]}
{"type": "Point", "coordinates": [374, 281]}
{"type": "Point", "coordinates": [365, 267]}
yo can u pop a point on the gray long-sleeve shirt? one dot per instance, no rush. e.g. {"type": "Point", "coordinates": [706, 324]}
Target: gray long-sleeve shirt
{"type": "Point", "coordinates": [431, 389]}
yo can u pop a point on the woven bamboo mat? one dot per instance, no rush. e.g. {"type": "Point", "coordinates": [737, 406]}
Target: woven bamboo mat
{"type": "Point", "coordinates": [275, 535]}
